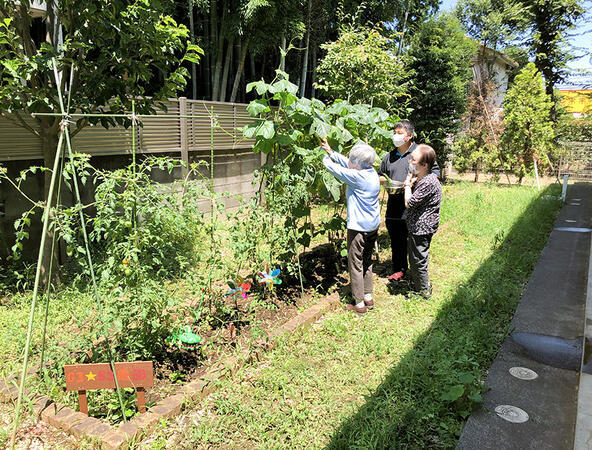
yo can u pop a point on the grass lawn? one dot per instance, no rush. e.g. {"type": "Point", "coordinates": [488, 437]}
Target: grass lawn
{"type": "Point", "coordinates": [408, 373]}
{"type": "Point", "coordinates": [404, 375]}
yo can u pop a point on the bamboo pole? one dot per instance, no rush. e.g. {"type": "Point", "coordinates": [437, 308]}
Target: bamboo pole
{"type": "Point", "coordinates": [85, 235]}
{"type": "Point", "coordinates": [36, 287]}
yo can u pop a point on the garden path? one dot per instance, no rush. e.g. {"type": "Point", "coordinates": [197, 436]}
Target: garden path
{"type": "Point", "coordinates": [547, 338]}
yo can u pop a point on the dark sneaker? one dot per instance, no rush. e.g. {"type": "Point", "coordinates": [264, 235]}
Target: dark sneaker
{"type": "Point", "coordinates": [425, 294]}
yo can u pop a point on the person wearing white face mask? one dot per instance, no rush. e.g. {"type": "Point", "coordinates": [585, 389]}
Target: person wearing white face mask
{"type": "Point", "coordinates": [395, 166]}
{"type": "Point", "coordinates": [423, 195]}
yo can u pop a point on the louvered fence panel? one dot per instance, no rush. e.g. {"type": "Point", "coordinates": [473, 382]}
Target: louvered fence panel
{"type": "Point", "coordinates": [156, 135]}
{"type": "Point", "coordinates": [17, 143]}
{"type": "Point", "coordinates": [99, 141]}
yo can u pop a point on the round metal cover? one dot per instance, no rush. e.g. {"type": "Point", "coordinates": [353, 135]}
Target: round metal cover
{"type": "Point", "coordinates": [523, 373]}
{"type": "Point", "coordinates": [512, 413]}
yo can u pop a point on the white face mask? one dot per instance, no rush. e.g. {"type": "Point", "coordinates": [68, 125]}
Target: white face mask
{"type": "Point", "coordinates": [412, 169]}
{"type": "Point", "coordinates": [398, 139]}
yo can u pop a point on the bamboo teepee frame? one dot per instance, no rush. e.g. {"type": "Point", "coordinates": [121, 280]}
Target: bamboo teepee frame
{"type": "Point", "coordinates": [65, 140]}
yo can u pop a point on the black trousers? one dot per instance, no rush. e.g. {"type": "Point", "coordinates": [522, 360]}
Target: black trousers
{"type": "Point", "coordinates": [397, 230]}
{"type": "Point", "coordinates": [419, 247]}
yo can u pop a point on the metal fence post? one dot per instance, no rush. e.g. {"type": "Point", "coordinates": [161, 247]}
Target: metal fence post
{"type": "Point", "coordinates": [564, 190]}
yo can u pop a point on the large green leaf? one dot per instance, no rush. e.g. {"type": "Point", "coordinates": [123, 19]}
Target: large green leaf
{"type": "Point", "coordinates": [320, 128]}
{"type": "Point", "coordinates": [283, 139]}
{"type": "Point", "coordinates": [285, 98]}
{"type": "Point", "coordinates": [266, 129]}
{"type": "Point", "coordinates": [260, 86]}
{"type": "Point", "coordinates": [258, 106]}
{"type": "Point", "coordinates": [304, 105]}
{"type": "Point", "coordinates": [283, 86]}
{"type": "Point", "coordinates": [340, 108]}
{"type": "Point", "coordinates": [259, 128]}
{"type": "Point", "coordinates": [332, 185]}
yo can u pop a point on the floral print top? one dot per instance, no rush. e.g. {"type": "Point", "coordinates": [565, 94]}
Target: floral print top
{"type": "Point", "coordinates": [423, 213]}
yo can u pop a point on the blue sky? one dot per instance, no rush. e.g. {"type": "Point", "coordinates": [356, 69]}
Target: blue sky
{"type": "Point", "coordinates": [582, 38]}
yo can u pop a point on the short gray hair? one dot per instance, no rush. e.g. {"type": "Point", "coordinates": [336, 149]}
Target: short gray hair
{"type": "Point", "coordinates": [362, 155]}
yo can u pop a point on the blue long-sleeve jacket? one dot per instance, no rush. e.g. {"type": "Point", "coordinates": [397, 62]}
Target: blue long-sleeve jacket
{"type": "Point", "coordinates": [363, 186]}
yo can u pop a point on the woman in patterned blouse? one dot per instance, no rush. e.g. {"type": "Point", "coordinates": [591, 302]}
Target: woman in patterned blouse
{"type": "Point", "coordinates": [423, 195]}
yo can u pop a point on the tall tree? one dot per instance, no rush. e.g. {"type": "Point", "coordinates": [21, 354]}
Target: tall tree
{"type": "Point", "coordinates": [528, 133]}
{"type": "Point", "coordinates": [439, 68]}
{"type": "Point", "coordinates": [549, 22]}
{"type": "Point", "coordinates": [120, 50]}
{"type": "Point", "coordinates": [360, 67]}
{"type": "Point", "coordinates": [494, 23]}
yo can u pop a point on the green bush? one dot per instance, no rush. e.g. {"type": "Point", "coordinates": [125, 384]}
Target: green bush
{"type": "Point", "coordinates": [139, 228]}
{"type": "Point", "coordinates": [570, 129]}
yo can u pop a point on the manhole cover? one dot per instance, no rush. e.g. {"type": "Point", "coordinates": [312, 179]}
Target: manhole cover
{"type": "Point", "coordinates": [523, 373]}
{"type": "Point", "coordinates": [511, 413]}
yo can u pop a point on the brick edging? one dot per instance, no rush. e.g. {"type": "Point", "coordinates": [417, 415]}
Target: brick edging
{"type": "Point", "coordinates": [118, 437]}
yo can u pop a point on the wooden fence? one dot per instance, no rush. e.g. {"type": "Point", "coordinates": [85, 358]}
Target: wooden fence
{"type": "Point", "coordinates": [189, 138]}
{"type": "Point", "coordinates": [157, 135]}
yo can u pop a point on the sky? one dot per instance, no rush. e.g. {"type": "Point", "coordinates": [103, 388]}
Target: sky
{"type": "Point", "coordinates": [581, 39]}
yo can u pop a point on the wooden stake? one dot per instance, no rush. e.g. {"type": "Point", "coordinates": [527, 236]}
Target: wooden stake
{"type": "Point", "coordinates": [82, 402]}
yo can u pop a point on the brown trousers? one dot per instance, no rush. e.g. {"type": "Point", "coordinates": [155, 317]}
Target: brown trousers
{"type": "Point", "coordinates": [360, 245]}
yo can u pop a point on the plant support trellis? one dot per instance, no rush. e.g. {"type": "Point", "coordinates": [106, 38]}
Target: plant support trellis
{"type": "Point", "coordinates": [57, 173]}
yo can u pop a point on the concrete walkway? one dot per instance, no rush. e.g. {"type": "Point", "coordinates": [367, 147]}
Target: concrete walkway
{"type": "Point", "coordinates": [533, 401]}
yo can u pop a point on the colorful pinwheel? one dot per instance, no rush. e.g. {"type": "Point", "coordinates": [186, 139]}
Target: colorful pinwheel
{"type": "Point", "coordinates": [238, 287]}
{"type": "Point", "coordinates": [270, 278]}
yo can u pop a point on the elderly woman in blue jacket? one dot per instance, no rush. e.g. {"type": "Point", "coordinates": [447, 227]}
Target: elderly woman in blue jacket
{"type": "Point", "coordinates": [363, 216]}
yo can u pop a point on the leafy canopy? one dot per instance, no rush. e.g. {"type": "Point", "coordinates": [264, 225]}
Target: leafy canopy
{"type": "Point", "coordinates": [438, 63]}
{"type": "Point", "coordinates": [361, 67]}
{"type": "Point", "coordinates": [120, 50]}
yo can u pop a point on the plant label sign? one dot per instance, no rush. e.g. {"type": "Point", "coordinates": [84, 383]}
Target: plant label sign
{"type": "Point", "coordinates": [86, 377]}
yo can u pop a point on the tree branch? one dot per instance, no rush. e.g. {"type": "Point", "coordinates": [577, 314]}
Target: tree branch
{"type": "Point", "coordinates": [79, 128]}
{"type": "Point", "coordinates": [21, 123]}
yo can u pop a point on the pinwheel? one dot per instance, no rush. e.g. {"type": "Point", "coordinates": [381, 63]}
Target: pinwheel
{"type": "Point", "coordinates": [238, 287]}
{"type": "Point", "coordinates": [270, 278]}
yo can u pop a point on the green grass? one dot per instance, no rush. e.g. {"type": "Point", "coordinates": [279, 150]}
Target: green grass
{"type": "Point", "coordinates": [377, 381]}
{"type": "Point", "coordinates": [373, 381]}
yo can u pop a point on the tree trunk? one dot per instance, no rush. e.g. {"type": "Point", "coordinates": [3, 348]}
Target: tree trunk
{"type": "Point", "coordinates": [305, 63]}
{"type": "Point", "coordinates": [313, 91]}
{"type": "Point", "coordinates": [206, 67]}
{"type": "Point", "coordinates": [222, 96]}
{"type": "Point", "coordinates": [220, 53]}
{"type": "Point", "coordinates": [49, 142]}
{"type": "Point", "coordinates": [192, 39]}
{"type": "Point", "coordinates": [239, 71]}
{"type": "Point", "coordinates": [253, 71]}
{"type": "Point", "coordinates": [282, 57]}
